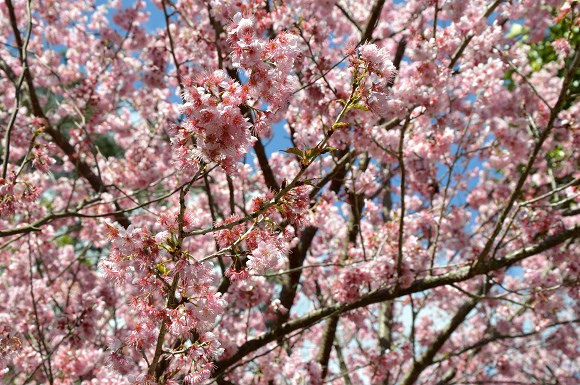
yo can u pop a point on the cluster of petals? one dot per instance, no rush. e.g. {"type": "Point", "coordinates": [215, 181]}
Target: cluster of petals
{"type": "Point", "coordinates": [136, 257]}
{"type": "Point", "coordinates": [268, 64]}
{"type": "Point", "coordinates": [215, 129]}
{"type": "Point", "coordinates": [380, 72]}
{"type": "Point", "coordinates": [15, 195]}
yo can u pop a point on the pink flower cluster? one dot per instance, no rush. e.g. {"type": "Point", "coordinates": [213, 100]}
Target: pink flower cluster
{"type": "Point", "coordinates": [9, 345]}
{"type": "Point", "coordinates": [377, 72]}
{"type": "Point", "coordinates": [41, 159]}
{"type": "Point", "coordinates": [14, 196]}
{"type": "Point", "coordinates": [150, 264]}
{"type": "Point", "coordinates": [295, 204]}
{"type": "Point", "coordinates": [267, 244]}
{"type": "Point", "coordinates": [267, 64]}
{"type": "Point", "coordinates": [429, 176]}
{"type": "Point", "coordinates": [215, 129]}
{"type": "Point", "coordinates": [350, 284]}
{"type": "Point", "coordinates": [156, 65]}
{"type": "Point", "coordinates": [264, 257]}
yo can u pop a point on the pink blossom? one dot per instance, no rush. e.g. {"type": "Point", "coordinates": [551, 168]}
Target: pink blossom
{"type": "Point", "coordinates": [288, 192]}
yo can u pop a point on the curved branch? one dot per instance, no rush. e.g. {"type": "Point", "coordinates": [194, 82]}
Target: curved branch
{"type": "Point", "coordinates": [392, 292]}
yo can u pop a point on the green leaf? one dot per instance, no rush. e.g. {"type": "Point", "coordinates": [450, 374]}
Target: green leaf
{"type": "Point", "coordinates": [161, 268]}
{"type": "Point", "coordinates": [359, 106]}
{"type": "Point", "coordinates": [65, 239]}
{"type": "Point", "coordinates": [313, 153]}
{"type": "Point", "coordinates": [326, 150]}
{"type": "Point", "coordinates": [516, 30]}
{"type": "Point", "coordinates": [108, 147]}
{"type": "Point", "coordinates": [294, 150]}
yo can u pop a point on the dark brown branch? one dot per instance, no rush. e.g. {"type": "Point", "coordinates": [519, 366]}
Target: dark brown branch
{"type": "Point", "coordinates": [426, 358]}
{"type": "Point", "coordinates": [372, 21]}
{"type": "Point", "coordinates": [436, 12]}
{"type": "Point", "coordinates": [35, 226]}
{"type": "Point", "coordinates": [269, 177]}
{"type": "Point", "coordinates": [171, 45]}
{"type": "Point", "coordinates": [402, 213]}
{"type": "Point", "coordinates": [327, 343]}
{"type": "Point", "coordinates": [348, 16]}
{"type": "Point", "coordinates": [356, 207]}
{"type": "Point", "coordinates": [295, 261]}
{"type": "Point", "coordinates": [497, 337]}
{"type": "Point", "coordinates": [298, 253]}
{"type": "Point", "coordinates": [392, 292]}
{"type": "Point", "coordinates": [18, 86]}
{"type": "Point", "coordinates": [232, 200]}
{"type": "Point", "coordinates": [163, 330]}
{"type": "Point", "coordinates": [401, 46]}
{"type": "Point", "coordinates": [342, 363]}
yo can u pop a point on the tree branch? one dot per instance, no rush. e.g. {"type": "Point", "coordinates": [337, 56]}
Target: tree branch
{"type": "Point", "coordinates": [392, 292]}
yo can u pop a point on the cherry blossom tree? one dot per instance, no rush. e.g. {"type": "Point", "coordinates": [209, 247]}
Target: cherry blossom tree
{"type": "Point", "coordinates": [289, 192]}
